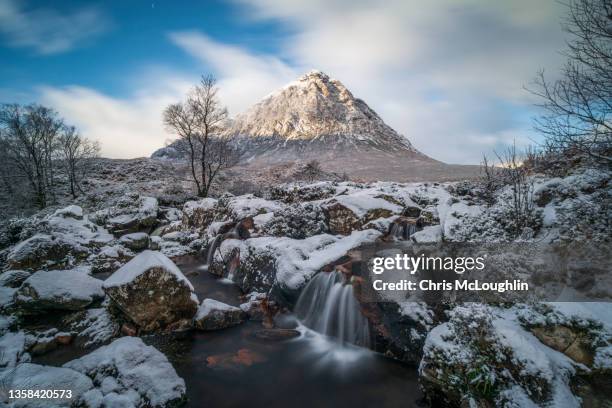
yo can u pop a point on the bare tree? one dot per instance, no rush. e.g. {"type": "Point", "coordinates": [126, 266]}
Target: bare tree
{"type": "Point", "coordinates": [29, 137]}
{"type": "Point", "coordinates": [312, 170]}
{"type": "Point", "coordinates": [489, 180]}
{"type": "Point", "coordinates": [512, 172]}
{"type": "Point", "coordinates": [75, 154]}
{"type": "Point", "coordinates": [198, 121]}
{"type": "Point", "coordinates": [578, 106]}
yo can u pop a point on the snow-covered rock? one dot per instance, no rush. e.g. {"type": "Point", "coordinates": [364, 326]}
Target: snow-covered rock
{"type": "Point", "coordinates": [62, 238]}
{"type": "Point", "coordinates": [253, 306]}
{"type": "Point", "coordinates": [14, 278]}
{"type": "Point", "coordinates": [247, 205]}
{"type": "Point", "coordinates": [152, 291]}
{"type": "Point", "coordinates": [129, 370]}
{"type": "Point", "coordinates": [110, 258]}
{"type": "Point", "coordinates": [131, 213]}
{"type": "Point", "coordinates": [215, 315]}
{"type": "Point", "coordinates": [13, 349]}
{"type": "Point", "coordinates": [72, 211]}
{"type": "Point", "coordinates": [483, 354]}
{"type": "Point", "coordinates": [346, 213]}
{"type": "Point", "coordinates": [37, 377]}
{"type": "Point", "coordinates": [199, 214]}
{"type": "Point", "coordinates": [285, 263]}
{"type": "Point", "coordinates": [42, 250]}
{"type": "Point", "coordinates": [428, 235]}
{"type": "Point", "coordinates": [298, 221]}
{"type": "Point", "coordinates": [6, 297]}
{"type": "Point", "coordinates": [58, 290]}
{"type": "Point", "coordinates": [93, 326]}
{"type": "Point", "coordinates": [136, 241]}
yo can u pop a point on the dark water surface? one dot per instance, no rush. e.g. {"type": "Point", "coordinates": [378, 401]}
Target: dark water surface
{"type": "Point", "coordinates": [232, 368]}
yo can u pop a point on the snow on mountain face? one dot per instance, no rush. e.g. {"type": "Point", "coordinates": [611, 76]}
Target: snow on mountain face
{"type": "Point", "coordinates": [317, 107]}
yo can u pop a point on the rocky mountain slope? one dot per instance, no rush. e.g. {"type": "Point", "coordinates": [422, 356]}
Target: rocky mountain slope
{"type": "Point", "coordinates": [317, 118]}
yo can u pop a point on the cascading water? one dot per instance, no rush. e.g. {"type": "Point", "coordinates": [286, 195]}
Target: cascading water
{"type": "Point", "coordinates": [328, 305]}
{"type": "Point", "coordinates": [211, 250]}
{"type": "Point", "coordinates": [402, 231]}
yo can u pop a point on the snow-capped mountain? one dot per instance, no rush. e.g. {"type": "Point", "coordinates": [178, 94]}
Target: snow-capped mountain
{"type": "Point", "coordinates": [318, 108]}
{"type": "Point", "coordinates": [318, 118]}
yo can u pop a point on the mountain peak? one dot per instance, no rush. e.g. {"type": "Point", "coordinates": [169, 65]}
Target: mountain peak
{"type": "Point", "coordinates": [317, 107]}
{"type": "Point", "coordinates": [314, 73]}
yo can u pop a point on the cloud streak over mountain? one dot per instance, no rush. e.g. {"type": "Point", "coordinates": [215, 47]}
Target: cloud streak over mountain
{"type": "Point", "coordinates": [450, 77]}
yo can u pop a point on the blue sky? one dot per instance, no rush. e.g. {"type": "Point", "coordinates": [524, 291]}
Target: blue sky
{"type": "Point", "coordinates": [446, 74]}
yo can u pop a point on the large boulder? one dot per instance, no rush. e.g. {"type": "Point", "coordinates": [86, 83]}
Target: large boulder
{"type": "Point", "coordinates": [62, 238]}
{"type": "Point", "coordinates": [14, 278]}
{"type": "Point", "coordinates": [298, 220]}
{"type": "Point", "coordinates": [340, 219]}
{"type": "Point", "coordinates": [130, 372]}
{"type": "Point", "coordinates": [44, 250]}
{"type": "Point", "coordinates": [282, 266]}
{"type": "Point", "coordinates": [37, 377]}
{"type": "Point", "coordinates": [131, 213]}
{"type": "Point", "coordinates": [58, 290]}
{"type": "Point", "coordinates": [136, 241]}
{"type": "Point", "coordinates": [199, 214]}
{"type": "Point", "coordinates": [347, 213]}
{"type": "Point", "coordinates": [215, 315]}
{"type": "Point", "coordinates": [483, 357]}
{"type": "Point", "coordinates": [152, 291]}
{"type": "Point", "coordinates": [13, 349]}
{"type": "Point", "coordinates": [93, 326]}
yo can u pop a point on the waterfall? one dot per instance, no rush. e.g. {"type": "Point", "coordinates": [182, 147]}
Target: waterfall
{"type": "Point", "coordinates": [402, 231]}
{"type": "Point", "coordinates": [328, 305]}
{"type": "Point", "coordinates": [211, 250]}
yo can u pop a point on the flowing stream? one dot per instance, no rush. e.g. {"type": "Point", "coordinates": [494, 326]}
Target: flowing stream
{"type": "Point", "coordinates": [328, 306]}
{"type": "Point", "coordinates": [233, 367]}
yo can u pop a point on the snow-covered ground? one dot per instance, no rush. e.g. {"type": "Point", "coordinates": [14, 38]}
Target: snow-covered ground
{"type": "Point", "coordinates": [517, 354]}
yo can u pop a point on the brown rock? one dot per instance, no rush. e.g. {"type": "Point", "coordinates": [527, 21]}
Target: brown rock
{"type": "Point", "coordinates": [276, 334]}
{"type": "Point", "coordinates": [215, 315]}
{"type": "Point", "coordinates": [566, 341]}
{"type": "Point", "coordinates": [555, 337]}
{"type": "Point", "coordinates": [152, 292]}
{"type": "Point", "coordinates": [128, 329]}
{"type": "Point", "coordinates": [340, 219]}
{"type": "Point", "coordinates": [234, 361]}
{"type": "Point", "coordinates": [580, 352]}
{"type": "Point", "coordinates": [64, 338]}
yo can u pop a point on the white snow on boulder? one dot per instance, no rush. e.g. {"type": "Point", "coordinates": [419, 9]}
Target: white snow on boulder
{"type": "Point", "coordinates": [37, 377]}
{"type": "Point", "coordinates": [298, 259]}
{"type": "Point", "coordinates": [428, 235]}
{"type": "Point", "coordinates": [190, 207]}
{"type": "Point", "coordinates": [67, 290]}
{"type": "Point", "coordinates": [13, 349]}
{"type": "Point", "coordinates": [360, 203]}
{"type": "Point", "coordinates": [210, 305]}
{"type": "Point", "coordinates": [95, 326]}
{"type": "Point", "coordinates": [249, 205]}
{"type": "Point", "coordinates": [127, 367]}
{"type": "Point", "coordinates": [72, 211]}
{"type": "Point", "coordinates": [145, 261]}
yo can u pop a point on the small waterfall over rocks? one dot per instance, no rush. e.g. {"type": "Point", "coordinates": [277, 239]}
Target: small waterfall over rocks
{"type": "Point", "coordinates": [328, 305]}
{"type": "Point", "coordinates": [402, 231]}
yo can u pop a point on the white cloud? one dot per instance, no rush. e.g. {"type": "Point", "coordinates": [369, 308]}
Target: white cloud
{"type": "Point", "coordinates": [244, 77]}
{"type": "Point", "coordinates": [447, 75]}
{"type": "Point", "coordinates": [126, 128]}
{"type": "Point", "coordinates": [132, 126]}
{"type": "Point", "coordinates": [48, 31]}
